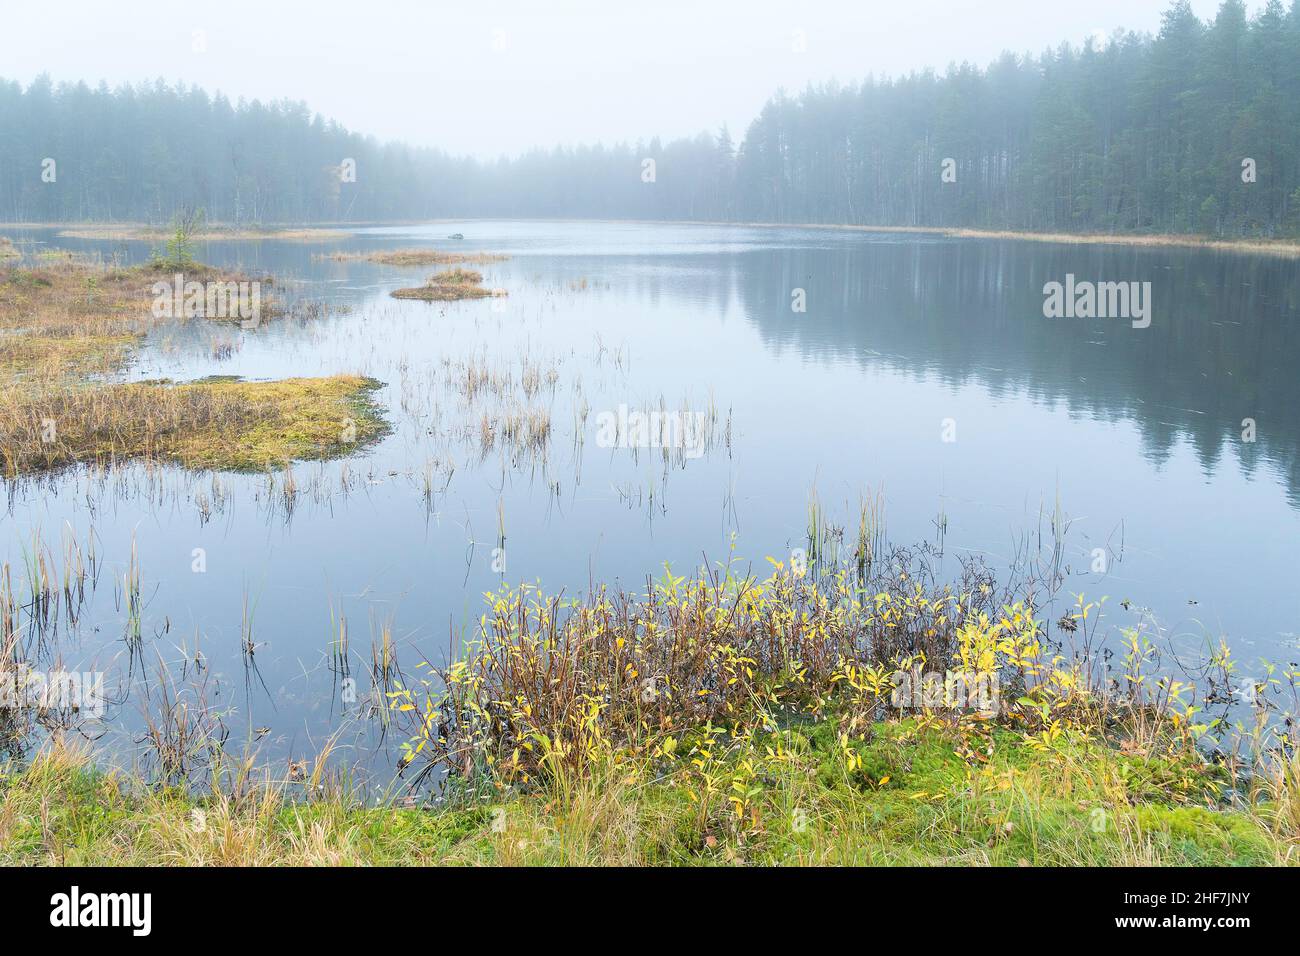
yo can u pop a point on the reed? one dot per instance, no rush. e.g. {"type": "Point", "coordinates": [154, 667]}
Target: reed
{"type": "Point", "coordinates": [871, 534]}
{"type": "Point", "coordinates": [184, 733]}
{"type": "Point", "coordinates": [340, 648]}
{"type": "Point", "coordinates": [550, 690]}
{"type": "Point", "coordinates": [55, 595]}
{"type": "Point", "coordinates": [385, 672]}
{"type": "Point", "coordinates": [132, 600]}
{"type": "Point", "coordinates": [247, 627]}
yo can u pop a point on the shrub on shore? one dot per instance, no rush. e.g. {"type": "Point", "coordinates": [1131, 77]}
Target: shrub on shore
{"type": "Point", "coordinates": [719, 685]}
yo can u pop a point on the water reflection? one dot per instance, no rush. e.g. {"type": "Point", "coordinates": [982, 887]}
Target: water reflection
{"type": "Point", "coordinates": [1224, 343]}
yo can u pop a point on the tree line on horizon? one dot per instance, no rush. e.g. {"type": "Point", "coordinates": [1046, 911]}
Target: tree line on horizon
{"type": "Point", "coordinates": [1193, 130]}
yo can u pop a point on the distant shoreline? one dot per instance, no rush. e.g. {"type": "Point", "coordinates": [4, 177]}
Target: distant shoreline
{"type": "Point", "coordinates": [1275, 247]}
{"type": "Point", "coordinates": [216, 232]}
{"type": "Point", "coordinates": [1281, 247]}
{"type": "Point", "coordinates": [325, 231]}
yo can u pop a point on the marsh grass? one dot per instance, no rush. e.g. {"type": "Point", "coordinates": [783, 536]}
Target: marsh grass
{"type": "Point", "coordinates": [53, 304]}
{"type": "Point", "coordinates": [67, 319]}
{"type": "Point", "coordinates": [67, 328]}
{"type": "Point", "coordinates": [45, 358]}
{"type": "Point", "coordinates": [437, 292]}
{"type": "Point", "coordinates": [502, 407]}
{"type": "Point", "coordinates": [223, 424]}
{"type": "Point", "coordinates": [1269, 247]}
{"type": "Point", "coordinates": [417, 257]}
{"type": "Point", "coordinates": [457, 276]}
{"type": "Point", "coordinates": [40, 599]}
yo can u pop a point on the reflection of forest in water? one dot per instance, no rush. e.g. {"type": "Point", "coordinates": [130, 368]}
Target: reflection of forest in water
{"type": "Point", "coordinates": [1223, 345]}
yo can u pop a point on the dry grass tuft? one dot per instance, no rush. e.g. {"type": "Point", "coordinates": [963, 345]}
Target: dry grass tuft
{"type": "Point", "coordinates": [457, 276]}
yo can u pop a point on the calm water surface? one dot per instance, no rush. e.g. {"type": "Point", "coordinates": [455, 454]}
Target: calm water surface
{"type": "Point", "coordinates": [1134, 434]}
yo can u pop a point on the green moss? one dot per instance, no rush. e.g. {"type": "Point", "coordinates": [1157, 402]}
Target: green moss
{"type": "Point", "coordinates": [1063, 807]}
{"type": "Point", "coordinates": [1203, 837]}
{"type": "Point", "coordinates": [290, 419]}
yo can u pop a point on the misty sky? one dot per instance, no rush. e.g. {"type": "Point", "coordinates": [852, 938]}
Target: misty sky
{"type": "Point", "coordinates": [490, 76]}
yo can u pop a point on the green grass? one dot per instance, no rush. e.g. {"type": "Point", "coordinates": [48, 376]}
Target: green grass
{"type": "Point", "coordinates": [915, 800]}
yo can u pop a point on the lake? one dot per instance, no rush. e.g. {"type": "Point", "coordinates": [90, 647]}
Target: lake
{"type": "Point", "coordinates": [920, 372]}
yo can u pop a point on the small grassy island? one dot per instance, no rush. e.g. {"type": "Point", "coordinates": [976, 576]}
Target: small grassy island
{"type": "Point", "coordinates": [450, 285]}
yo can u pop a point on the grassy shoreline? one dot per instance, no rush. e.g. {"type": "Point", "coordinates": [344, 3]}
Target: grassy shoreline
{"type": "Point", "coordinates": [719, 721]}
{"type": "Point", "coordinates": [1078, 805]}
